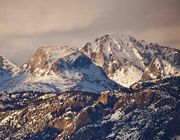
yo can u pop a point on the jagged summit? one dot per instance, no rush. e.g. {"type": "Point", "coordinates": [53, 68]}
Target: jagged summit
{"type": "Point", "coordinates": [124, 58]}
{"type": "Point", "coordinates": [45, 57]}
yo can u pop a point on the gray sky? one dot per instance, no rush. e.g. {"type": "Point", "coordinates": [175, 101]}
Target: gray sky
{"type": "Point", "coordinates": [26, 25]}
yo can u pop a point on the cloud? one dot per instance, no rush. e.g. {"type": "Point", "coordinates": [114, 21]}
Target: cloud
{"type": "Point", "coordinates": [164, 35]}
{"type": "Point", "coordinates": [17, 50]}
{"type": "Point", "coordinates": [24, 17]}
{"type": "Point", "coordinates": [123, 15]}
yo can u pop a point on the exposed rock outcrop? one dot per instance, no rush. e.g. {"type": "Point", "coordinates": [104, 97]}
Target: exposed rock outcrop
{"type": "Point", "coordinates": [147, 111]}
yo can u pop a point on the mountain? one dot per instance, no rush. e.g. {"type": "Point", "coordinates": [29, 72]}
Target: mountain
{"type": "Point", "coordinates": [125, 59]}
{"type": "Point", "coordinates": [115, 88]}
{"type": "Point", "coordinates": [59, 69]}
{"type": "Point", "coordinates": [150, 110]}
{"type": "Point", "coordinates": [7, 69]}
{"type": "Point", "coordinates": [121, 58]}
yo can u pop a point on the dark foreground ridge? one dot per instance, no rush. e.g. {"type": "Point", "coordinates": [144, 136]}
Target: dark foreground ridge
{"type": "Point", "coordinates": [150, 110]}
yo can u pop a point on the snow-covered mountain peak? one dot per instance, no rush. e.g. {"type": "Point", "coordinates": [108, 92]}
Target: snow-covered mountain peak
{"type": "Point", "coordinates": [113, 50]}
{"type": "Point", "coordinates": [124, 59]}
{"type": "Point", "coordinates": [43, 59]}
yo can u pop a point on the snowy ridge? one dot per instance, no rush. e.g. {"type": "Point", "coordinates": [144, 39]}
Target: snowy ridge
{"type": "Point", "coordinates": [7, 69]}
{"type": "Point", "coordinates": [59, 69]}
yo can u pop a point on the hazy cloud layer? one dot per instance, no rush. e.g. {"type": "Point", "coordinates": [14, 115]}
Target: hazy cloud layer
{"type": "Point", "coordinates": [27, 24]}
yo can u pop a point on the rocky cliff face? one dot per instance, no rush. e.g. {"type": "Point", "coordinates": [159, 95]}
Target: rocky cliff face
{"type": "Point", "coordinates": [149, 111]}
{"type": "Point", "coordinates": [124, 59]}
{"type": "Point", "coordinates": [159, 68]}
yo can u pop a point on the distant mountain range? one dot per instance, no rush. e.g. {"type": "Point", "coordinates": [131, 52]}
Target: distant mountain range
{"type": "Point", "coordinates": [115, 87]}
